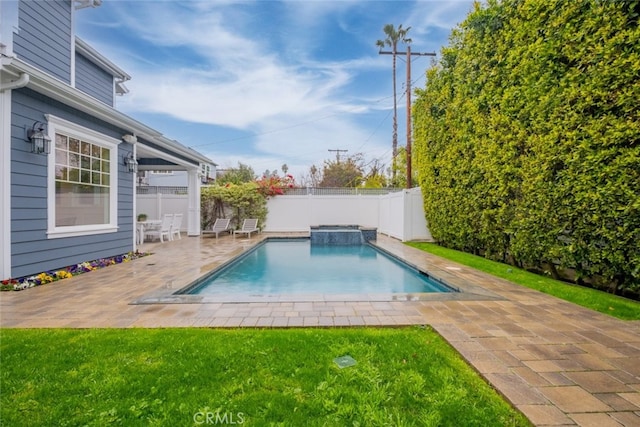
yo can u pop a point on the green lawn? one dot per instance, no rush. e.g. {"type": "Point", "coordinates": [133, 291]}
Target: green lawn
{"type": "Point", "coordinates": [603, 302]}
{"type": "Point", "coordinates": [253, 377]}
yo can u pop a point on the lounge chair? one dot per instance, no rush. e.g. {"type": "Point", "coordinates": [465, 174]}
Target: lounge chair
{"type": "Point", "coordinates": [221, 224]}
{"type": "Point", "coordinates": [175, 226]}
{"type": "Point", "coordinates": [248, 226]}
{"type": "Point", "coordinates": [164, 230]}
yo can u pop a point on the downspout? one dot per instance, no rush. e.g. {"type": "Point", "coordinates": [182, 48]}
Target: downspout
{"type": "Point", "coordinates": [22, 81]}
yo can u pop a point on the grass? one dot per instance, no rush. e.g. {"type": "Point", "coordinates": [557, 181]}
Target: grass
{"type": "Point", "coordinates": [603, 302]}
{"type": "Point", "coordinates": [403, 377]}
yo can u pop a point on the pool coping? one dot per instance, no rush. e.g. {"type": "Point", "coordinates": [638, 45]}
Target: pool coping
{"type": "Point", "coordinates": [463, 290]}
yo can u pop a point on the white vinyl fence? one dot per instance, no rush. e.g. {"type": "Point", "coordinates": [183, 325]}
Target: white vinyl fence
{"type": "Point", "coordinates": [399, 214]}
{"type": "Point", "coordinates": [157, 201]}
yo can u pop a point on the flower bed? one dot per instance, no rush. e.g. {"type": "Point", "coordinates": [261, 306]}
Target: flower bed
{"type": "Point", "coordinates": [26, 282]}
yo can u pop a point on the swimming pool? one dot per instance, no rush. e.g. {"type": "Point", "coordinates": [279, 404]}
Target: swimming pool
{"type": "Point", "coordinates": [295, 266]}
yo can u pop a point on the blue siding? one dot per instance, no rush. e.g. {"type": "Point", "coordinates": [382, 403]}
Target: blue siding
{"type": "Point", "coordinates": [93, 80]}
{"type": "Point", "coordinates": [31, 251]}
{"type": "Point", "coordinates": [44, 36]}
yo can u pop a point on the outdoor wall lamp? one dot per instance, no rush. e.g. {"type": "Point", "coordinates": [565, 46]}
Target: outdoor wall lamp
{"type": "Point", "coordinates": [130, 139]}
{"type": "Point", "coordinates": [40, 141]}
{"type": "Point", "coordinates": [131, 163]}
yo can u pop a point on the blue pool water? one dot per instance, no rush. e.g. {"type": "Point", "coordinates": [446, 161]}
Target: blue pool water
{"type": "Point", "coordinates": [296, 267]}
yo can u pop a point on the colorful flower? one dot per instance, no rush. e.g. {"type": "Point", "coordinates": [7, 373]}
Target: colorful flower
{"type": "Point", "coordinates": [84, 267]}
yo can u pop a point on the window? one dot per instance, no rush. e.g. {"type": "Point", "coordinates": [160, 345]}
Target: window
{"type": "Point", "coordinates": [83, 181]}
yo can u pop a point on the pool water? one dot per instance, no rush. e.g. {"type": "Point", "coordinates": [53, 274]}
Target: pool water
{"type": "Point", "coordinates": [279, 267]}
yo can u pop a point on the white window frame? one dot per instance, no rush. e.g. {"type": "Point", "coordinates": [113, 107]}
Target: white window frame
{"type": "Point", "coordinates": [56, 124]}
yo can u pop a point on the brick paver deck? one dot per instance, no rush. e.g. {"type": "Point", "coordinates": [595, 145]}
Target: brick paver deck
{"type": "Point", "coordinates": [558, 363]}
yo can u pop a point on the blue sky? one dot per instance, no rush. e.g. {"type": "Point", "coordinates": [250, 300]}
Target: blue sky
{"type": "Point", "coordinates": [268, 82]}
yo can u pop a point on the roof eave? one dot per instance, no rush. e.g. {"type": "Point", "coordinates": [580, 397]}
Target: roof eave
{"type": "Point", "coordinates": [56, 89]}
{"type": "Point", "coordinates": [94, 56]}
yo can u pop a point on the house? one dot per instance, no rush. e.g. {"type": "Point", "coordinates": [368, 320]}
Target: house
{"type": "Point", "coordinates": [68, 157]}
{"type": "Point", "coordinates": [171, 178]}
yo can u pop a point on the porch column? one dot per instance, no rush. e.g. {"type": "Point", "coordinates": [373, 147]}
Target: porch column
{"type": "Point", "coordinates": [193, 191]}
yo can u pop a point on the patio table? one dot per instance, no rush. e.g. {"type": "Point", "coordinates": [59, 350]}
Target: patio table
{"type": "Point", "coordinates": [142, 226]}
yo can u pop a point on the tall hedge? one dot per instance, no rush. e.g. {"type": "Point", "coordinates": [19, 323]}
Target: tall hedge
{"type": "Point", "coordinates": [527, 138]}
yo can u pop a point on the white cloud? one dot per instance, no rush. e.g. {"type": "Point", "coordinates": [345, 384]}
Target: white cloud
{"type": "Point", "coordinates": [213, 63]}
{"type": "Point", "coordinates": [237, 84]}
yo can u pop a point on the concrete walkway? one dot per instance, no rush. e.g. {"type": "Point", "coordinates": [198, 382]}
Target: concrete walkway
{"type": "Point", "coordinates": [556, 362]}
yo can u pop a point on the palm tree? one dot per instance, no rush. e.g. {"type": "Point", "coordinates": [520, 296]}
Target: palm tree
{"type": "Point", "coordinates": [393, 37]}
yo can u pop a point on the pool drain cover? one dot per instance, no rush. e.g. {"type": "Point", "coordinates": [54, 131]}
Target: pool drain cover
{"type": "Point", "coordinates": [344, 361]}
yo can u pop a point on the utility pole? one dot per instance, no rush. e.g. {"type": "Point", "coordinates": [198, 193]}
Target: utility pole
{"type": "Point", "coordinates": [337, 151]}
{"type": "Point", "coordinates": [408, 149]}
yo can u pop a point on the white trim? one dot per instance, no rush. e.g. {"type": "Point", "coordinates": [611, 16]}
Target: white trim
{"type": "Point", "coordinates": [80, 231]}
{"type": "Point", "coordinates": [80, 131]}
{"type": "Point", "coordinates": [5, 184]}
{"type": "Point", "coordinates": [134, 181]}
{"type": "Point", "coordinates": [193, 193]}
{"type": "Point", "coordinates": [56, 124]}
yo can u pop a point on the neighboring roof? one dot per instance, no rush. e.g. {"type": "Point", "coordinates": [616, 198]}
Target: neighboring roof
{"type": "Point", "coordinates": [56, 89]}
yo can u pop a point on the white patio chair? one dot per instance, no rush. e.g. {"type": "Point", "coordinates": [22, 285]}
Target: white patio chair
{"type": "Point", "coordinates": [221, 225]}
{"type": "Point", "coordinates": [175, 226]}
{"type": "Point", "coordinates": [248, 226]}
{"type": "Point", "coordinates": [163, 230]}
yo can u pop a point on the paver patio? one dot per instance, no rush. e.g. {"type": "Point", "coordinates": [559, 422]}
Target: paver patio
{"type": "Point", "coordinates": [558, 363]}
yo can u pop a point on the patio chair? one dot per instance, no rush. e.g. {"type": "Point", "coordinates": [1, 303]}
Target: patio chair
{"type": "Point", "coordinates": [248, 226]}
{"type": "Point", "coordinates": [163, 230]}
{"type": "Point", "coordinates": [221, 224]}
{"type": "Point", "coordinates": [175, 226]}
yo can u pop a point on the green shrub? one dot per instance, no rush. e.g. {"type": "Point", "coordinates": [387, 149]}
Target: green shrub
{"type": "Point", "coordinates": [241, 201]}
{"type": "Point", "coordinates": [527, 139]}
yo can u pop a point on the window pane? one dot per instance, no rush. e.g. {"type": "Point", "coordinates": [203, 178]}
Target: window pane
{"type": "Point", "coordinates": [61, 157]}
{"type": "Point", "coordinates": [61, 172]}
{"type": "Point", "coordinates": [82, 182]}
{"type": "Point", "coordinates": [61, 141]}
{"type": "Point", "coordinates": [74, 145]}
{"type": "Point", "coordinates": [74, 160]}
{"type": "Point", "coordinates": [79, 204]}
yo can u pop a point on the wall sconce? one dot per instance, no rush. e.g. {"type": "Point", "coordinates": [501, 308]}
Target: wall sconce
{"type": "Point", "coordinates": [40, 141]}
{"type": "Point", "coordinates": [130, 139]}
{"type": "Point", "coordinates": [131, 163]}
